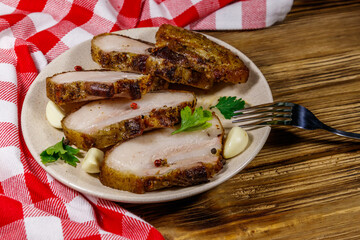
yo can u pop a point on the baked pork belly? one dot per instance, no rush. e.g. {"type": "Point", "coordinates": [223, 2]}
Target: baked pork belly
{"type": "Point", "coordinates": [216, 61]}
{"type": "Point", "coordinates": [159, 160]}
{"type": "Point", "coordinates": [104, 123]}
{"type": "Point", "coordinates": [121, 53]}
{"type": "Point", "coordinates": [80, 86]}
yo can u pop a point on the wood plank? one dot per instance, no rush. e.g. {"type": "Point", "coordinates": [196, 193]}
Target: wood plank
{"type": "Point", "coordinates": [268, 201]}
{"type": "Point", "coordinates": [303, 60]}
{"type": "Point", "coordinates": [303, 184]}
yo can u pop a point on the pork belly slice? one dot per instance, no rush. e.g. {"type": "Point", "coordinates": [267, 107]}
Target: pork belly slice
{"type": "Point", "coordinates": [104, 123]}
{"type": "Point", "coordinates": [121, 53]}
{"type": "Point", "coordinates": [186, 158]}
{"type": "Point", "coordinates": [206, 56]}
{"type": "Point", "coordinates": [79, 86]}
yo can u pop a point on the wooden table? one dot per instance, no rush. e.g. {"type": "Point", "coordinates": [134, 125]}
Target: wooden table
{"type": "Point", "coordinates": [303, 184]}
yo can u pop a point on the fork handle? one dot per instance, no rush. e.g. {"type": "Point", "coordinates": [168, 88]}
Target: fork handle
{"type": "Point", "coordinates": [341, 133]}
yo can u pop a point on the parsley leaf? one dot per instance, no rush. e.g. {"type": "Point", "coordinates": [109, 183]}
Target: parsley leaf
{"type": "Point", "coordinates": [62, 151]}
{"type": "Point", "coordinates": [47, 158]}
{"type": "Point", "coordinates": [194, 121]}
{"type": "Point", "coordinates": [71, 150]}
{"type": "Point", "coordinates": [57, 148]}
{"type": "Point", "coordinates": [228, 105]}
{"type": "Point", "coordinates": [69, 159]}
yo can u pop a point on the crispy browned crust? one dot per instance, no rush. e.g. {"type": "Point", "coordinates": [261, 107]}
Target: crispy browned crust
{"type": "Point", "coordinates": [206, 56]}
{"type": "Point", "coordinates": [200, 173]}
{"type": "Point", "coordinates": [127, 129]}
{"type": "Point", "coordinates": [79, 91]}
{"type": "Point", "coordinates": [158, 84]}
{"type": "Point", "coordinates": [163, 63]}
{"type": "Point", "coordinates": [197, 174]}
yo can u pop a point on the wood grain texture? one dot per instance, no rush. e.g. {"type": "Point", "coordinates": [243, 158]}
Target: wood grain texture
{"type": "Point", "coordinates": [303, 184]}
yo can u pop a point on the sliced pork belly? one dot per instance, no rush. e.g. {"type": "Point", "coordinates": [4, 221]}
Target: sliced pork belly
{"type": "Point", "coordinates": [79, 86]}
{"type": "Point", "coordinates": [215, 61]}
{"type": "Point", "coordinates": [159, 160]}
{"type": "Point", "coordinates": [104, 123]}
{"type": "Point", "coordinates": [121, 53]}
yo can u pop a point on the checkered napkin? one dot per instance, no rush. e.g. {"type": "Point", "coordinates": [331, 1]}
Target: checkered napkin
{"type": "Point", "coordinates": [33, 205]}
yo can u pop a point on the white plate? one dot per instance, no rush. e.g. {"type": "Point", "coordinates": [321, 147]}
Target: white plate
{"type": "Point", "coordinates": [39, 135]}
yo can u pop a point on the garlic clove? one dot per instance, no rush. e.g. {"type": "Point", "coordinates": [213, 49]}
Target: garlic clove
{"type": "Point", "coordinates": [92, 161]}
{"type": "Point", "coordinates": [236, 142]}
{"type": "Point", "coordinates": [54, 114]}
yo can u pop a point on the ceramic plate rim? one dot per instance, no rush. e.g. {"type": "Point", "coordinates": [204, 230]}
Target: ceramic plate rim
{"type": "Point", "coordinates": [143, 198]}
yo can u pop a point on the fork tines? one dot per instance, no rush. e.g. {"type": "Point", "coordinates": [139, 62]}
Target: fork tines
{"type": "Point", "coordinates": [265, 114]}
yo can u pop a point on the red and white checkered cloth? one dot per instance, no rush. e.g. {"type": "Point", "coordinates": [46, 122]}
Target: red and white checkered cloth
{"type": "Point", "coordinates": [33, 205]}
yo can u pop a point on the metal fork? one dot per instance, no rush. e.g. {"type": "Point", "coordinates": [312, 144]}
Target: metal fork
{"type": "Point", "coordinates": [284, 113]}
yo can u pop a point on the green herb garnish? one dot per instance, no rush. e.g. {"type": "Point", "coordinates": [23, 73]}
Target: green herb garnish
{"type": "Point", "coordinates": [228, 105]}
{"type": "Point", "coordinates": [62, 151]}
{"type": "Point", "coordinates": [192, 121]}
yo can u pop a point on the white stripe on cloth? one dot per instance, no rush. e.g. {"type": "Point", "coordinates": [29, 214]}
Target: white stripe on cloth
{"type": "Point", "coordinates": [80, 210]}
{"type": "Point", "coordinates": [76, 36]}
{"type": "Point", "coordinates": [105, 9]}
{"type": "Point", "coordinates": [42, 20]}
{"type": "Point", "coordinates": [159, 10]}
{"type": "Point", "coordinates": [276, 10]}
{"type": "Point", "coordinates": [229, 17]}
{"type": "Point", "coordinates": [43, 228]}
{"type": "Point", "coordinates": [6, 9]}
{"type": "Point", "coordinates": [8, 112]}
{"type": "Point", "coordinates": [39, 60]}
{"type": "Point", "coordinates": [7, 72]}
{"type": "Point", "coordinates": [7, 39]}
{"type": "Point", "coordinates": [10, 162]}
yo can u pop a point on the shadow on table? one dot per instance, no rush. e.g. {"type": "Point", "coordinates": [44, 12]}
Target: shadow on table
{"type": "Point", "coordinates": [282, 136]}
